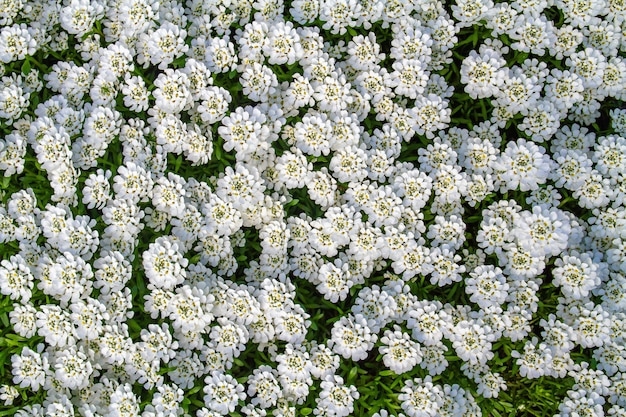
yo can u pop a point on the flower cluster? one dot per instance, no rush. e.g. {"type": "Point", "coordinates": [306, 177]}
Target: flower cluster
{"type": "Point", "coordinates": [222, 170]}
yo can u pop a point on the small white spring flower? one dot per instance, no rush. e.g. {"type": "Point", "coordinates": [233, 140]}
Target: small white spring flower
{"type": "Point", "coordinates": [412, 260]}
{"type": "Point", "coordinates": [591, 325]}
{"type": "Point", "coordinates": [577, 274]}
{"type": "Point", "coordinates": [263, 387]}
{"type": "Point", "coordinates": [336, 398]}
{"type": "Point", "coordinates": [259, 82]}
{"type": "Point", "coordinates": [594, 191]}
{"type": "Point", "coordinates": [16, 42]}
{"type": "Point", "coordinates": [338, 15]}
{"type": "Point", "coordinates": [352, 338]}
{"type": "Point", "coordinates": [431, 114]}
{"type": "Point", "coordinates": [29, 368]}
{"type": "Point", "coordinates": [294, 363]}
{"type": "Point", "coordinates": [291, 326]}
{"type": "Point", "coordinates": [414, 187]}
{"type": "Point", "coordinates": [8, 393]}
{"type": "Point", "coordinates": [16, 279]}
{"type": "Point", "coordinates": [487, 286]}
{"type": "Point", "coordinates": [427, 322]}
{"type": "Point", "coordinates": [532, 33]}
{"type": "Point", "coordinates": [164, 264]}
{"type": "Point", "coordinates": [23, 319]}
{"type": "Point", "coordinates": [491, 384]}
{"type": "Point", "coordinates": [72, 368]}
{"type": "Point", "coordinates": [78, 16]}
{"type": "Point", "coordinates": [172, 93]}
{"type": "Point", "coordinates": [323, 361]}
{"type": "Point", "coordinates": [375, 305]}
{"type": "Point", "coordinates": [124, 403]}
{"type": "Point", "coordinates": [590, 380]}
{"type": "Point", "coordinates": [186, 367]}
{"type": "Point", "coordinates": [190, 310]}
{"type": "Point", "coordinates": [334, 281]}
{"type": "Point", "coordinates": [213, 104]}
{"type": "Point", "coordinates": [481, 74]}
{"type": "Point", "coordinates": [534, 359]}
{"type": "Point", "coordinates": [400, 353]}
{"type": "Point", "coordinates": [544, 232]}
{"type": "Point", "coordinates": [581, 402]}
{"type": "Point", "coordinates": [421, 398]}
{"type": "Point", "coordinates": [447, 233]}
{"type": "Point", "coordinates": [230, 338]}
{"type": "Point", "coordinates": [589, 64]}
{"type": "Point", "coordinates": [223, 393]}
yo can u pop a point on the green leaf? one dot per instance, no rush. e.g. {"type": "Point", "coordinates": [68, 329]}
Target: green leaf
{"type": "Point", "coordinates": [352, 373]}
{"type": "Point", "coordinates": [306, 411]}
{"type": "Point", "coordinates": [26, 67]}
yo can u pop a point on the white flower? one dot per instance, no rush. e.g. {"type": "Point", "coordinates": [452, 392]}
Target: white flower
{"type": "Point", "coordinates": [259, 82]}
{"type": "Point", "coordinates": [263, 387]}
{"type": "Point", "coordinates": [481, 74]}
{"type": "Point", "coordinates": [187, 366]}
{"type": "Point", "coordinates": [420, 397]}
{"type": "Point", "coordinates": [400, 353]}
{"type": "Point", "coordinates": [230, 338]}
{"type": "Point", "coordinates": [349, 164]}
{"type": "Point", "coordinates": [332, 93]}
{"type": "Point", "coordinates": [294, 363]}
{"type": "Point", "coordinates": [532, 33]}
{"type": "Point", "coordinates": [375, 305]}
{"type": "Point", "coordinates": [534, 360]}
{"type": "Point", "coordinates": [581, 402]}
{"type": "Point", "coordinates": [544, 232]}
{"type": "Point", "coordinates": [447, 233]}
{"type": "Point", "coordinates": [487, 286]}
{"type": "Point", "coordinates": [16, 42]}
{"type": "Point", "coordinates": [522, 164]}
{"type": "Point", "coordinates": [591, 326]}
{"type": "Point", "coordinates": [167, 400]}
{"type": "Point", "coordinates": [352, 338]}
{"type": "Point", "coordinates": [334, 281]}
{"type": "Point", "coordinates": [222, 393]}
{"type": "Point", "coordinates": [16, 279]}
{"type": "Point", "coordinates": [431, 113]}
{"type": "Point", "coordinates": [168, 194]}
{"type": "Point", "coordinates": [161, 46]}
{"type": "Point", "coordinates": [124, 403]}
{"type": "Point", "coordinates": [190, 310]}
{"type": "Point", "coordinates": [23, 319]}
{"type": "Point", "coordinates": [8, 393]}
{"type": "Point", "coordinates": [72, 368]}
{"type": "Point", "coordinates": [292, 326]}
{"type": "Point", "coordinates": [335, 398]}
{"type": "Point", "coordinates": [338, 15]}
{"type": "Point", "coordinates": [172, 93]}
{"type": "Point", "coordinates": [471, 342]}
{"type": "Point", "coordinates": [576, 274]}
{"type": "Point", "coordinates": [283, 44]}
{"type": "Point", "coordinates": [164, 264]}
{"type": "Point", "coordinates": [323, 361]}
{"type": "Point", "coordinates": [589, 64]}
{"type": "Point", "coordinates": [412, 260]}
{"type": "Point", "coordinates": [29, 368]}
{"type": "Point", "coordinates": [78, 16]}
{"type": "Point", "coordinates": [12, 153]}
{"type": "Point", "coordinates": [212, 104]}
{"type": "Point", "coordinates": [414, 187]}
{"type": "Point", "coordinates": [594, 191]}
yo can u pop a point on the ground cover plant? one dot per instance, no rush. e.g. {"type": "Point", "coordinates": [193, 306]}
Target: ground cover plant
{"type": "Point", "coordinates": [331, 208]}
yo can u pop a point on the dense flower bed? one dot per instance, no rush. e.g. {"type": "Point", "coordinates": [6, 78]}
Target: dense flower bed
{"type": "Point", "coordinates": [331, 208]}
